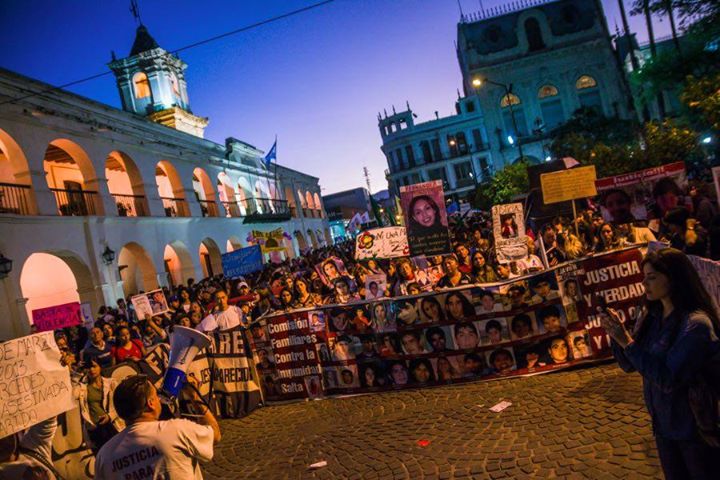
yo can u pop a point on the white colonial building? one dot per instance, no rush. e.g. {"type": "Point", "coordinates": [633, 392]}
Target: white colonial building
{"type": "Point", "coordinates": [526, 68]}
{"type": "Point", "coordinates": [78, 177]}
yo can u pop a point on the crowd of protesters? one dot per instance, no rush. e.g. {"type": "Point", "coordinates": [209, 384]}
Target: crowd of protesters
{"type": "Point", "coordinates": [332, 275]}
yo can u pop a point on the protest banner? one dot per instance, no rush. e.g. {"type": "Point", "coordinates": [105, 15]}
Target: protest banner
{"type": "Point", "coordinates": [642, 195]}
{"type": "Point", "coordinates": [271, 241]}
{"type": "Point", "coordinates": [375, 285]}
{"type": "Point", "coordinates": [288, 357]}
{"type": "Point", "coordinates": [58, 316]}
{"type": "Point", "coordinates": [150, 303]}
{"type": "Point", "coordinates": [331, 269]}
{"type": "Point", "coordinates": [571, 184]}
{"type": "Point", "coordinates": [423, 206]}
{"type": "Point", "coordinates": [388, 242]}
{"type": "Point", "coordinates": [34, 386]}
{"type": "Point", "coordinates": [235, 391]}
{"type": "Point", "coordinates": [512, 328]}
{"type": "Point", "coordinates": [509, 232]}
{"type": "Point", "coordinates": [709, 272]}
{"type": "Point", "coordinates": [242, 261]}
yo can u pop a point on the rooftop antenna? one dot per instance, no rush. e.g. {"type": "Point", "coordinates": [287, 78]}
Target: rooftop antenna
{"type": "Point", "coordinates": [366, 174]}
{"type": "Point", "coordinates": [482, 8]}
{"type": "Point", "coordinates": [135, 10]}
{"type": "Point", "coordinates": [461, 10]}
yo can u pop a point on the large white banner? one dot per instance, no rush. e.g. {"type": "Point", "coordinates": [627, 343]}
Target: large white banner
{"type": "Point", "coordinates": [388, 242]}
{"type": "Point", "coordinates": [34, 386]}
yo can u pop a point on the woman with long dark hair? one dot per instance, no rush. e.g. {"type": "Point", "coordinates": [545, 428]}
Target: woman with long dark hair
{"type": "Point", "coordinates": [424, 216]}
{"type": "Point", "coordinates": [458, 307]}
{"type": "Point", "coordinates": [674, 337]}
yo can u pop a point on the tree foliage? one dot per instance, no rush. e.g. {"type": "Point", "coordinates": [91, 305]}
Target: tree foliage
{"type": "Point", "coordinates": [506, 184]}
{"type": "Point", "coordinates": [702, 96]}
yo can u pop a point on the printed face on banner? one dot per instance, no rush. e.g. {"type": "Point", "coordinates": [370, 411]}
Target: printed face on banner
{"type": "Point", "coordinates": [458, 306]}
{"type": "Point", "coordinates": [332, 269]}
{"type": "Point", "coordinates": [388, 242]}
{"type": "Point", "coordinates": [579, 342]}
{"type": "Point", "coordinates": [501, 360]}
{"type": "Point", "coordinates": [643, 195]}
{"type": "Point", "coordinates": [317, 320]}
{"type": "Point", "coordinates": [383, 316]}
{"type": "Point", "coordinates": [423, 206]}
{"type": "Point", "coordinates": [375, 286]}
{"type": "Point", "coordinates": [494, 331]}
{"type": "Point", "coordinates": [487, 301]}
{"type": "Point", "coordinates": [509, 232]}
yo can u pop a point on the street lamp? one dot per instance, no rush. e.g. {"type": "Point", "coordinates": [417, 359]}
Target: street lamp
{"type": "Point", "coordinates": [5, 266]}
{"type": "Point", "coordinates": [108, 255]}
{"type": "Point", "coordinates": [478, 82]}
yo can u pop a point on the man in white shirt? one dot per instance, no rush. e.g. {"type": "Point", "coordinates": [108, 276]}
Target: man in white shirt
{"type": "Point", "coordinates": [149, 448]}
{"type": "Point", "coordinates": [226, 316]}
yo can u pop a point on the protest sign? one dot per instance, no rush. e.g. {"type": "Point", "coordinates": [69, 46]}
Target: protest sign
{"type": "Point", "coordinates": [58, 316]}
{"type": "Point", "coordinates": [87, 315]}
{"type": "Point", "coordinates": [288, 357]}
{"type": "Point", "coordinates": [151, 303]}
{"type": "Point", "coordinates": [375, 286]}
{"type": "Point", "coordinates": [271, 241]}
{"type": "Point", "coordinates": [34, 386]}
{"type": "Point", "coordinates": [570, 184]}
{"type": "Point", "coordinates": [509, 232]}
{"type": "Point", "coordinates": [235, 392]}
{"type": "Point", "coordinates": [423, 206]}
{"type": "Point", "coordinates": [709, 272]}
{"type": "Point", "coordinates": [332, 269]}
{"type": "Point", "coordinates": [242, 261]}
{"type": "Point", "coordinates": [388, 242]}
{"type": "Point", "coordinates": [642, 195]}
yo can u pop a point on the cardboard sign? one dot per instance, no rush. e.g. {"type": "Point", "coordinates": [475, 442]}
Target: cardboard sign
{"type": "Point", "coordinates": [509, 232]}
{"type": "Point", "coordinates": [58, 316]}
{"type": "Point", "coordinates": [242, 261]}
{"type": "Point", "coordinates": [270, 241]}
{"type": "Point", "coordinates": [151, 303]}
{"type": "Point", "coordinates": [569, 184]}
{"type": "Point", "coordinates": [423, 206]}
{"type": "Point", "coordinates": [34, 385]}
{"type": "Point", "coordinates": [388, 242]}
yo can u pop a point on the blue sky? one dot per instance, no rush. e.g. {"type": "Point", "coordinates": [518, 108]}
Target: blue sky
{"type": "Point", "coordinates": [317, 80]}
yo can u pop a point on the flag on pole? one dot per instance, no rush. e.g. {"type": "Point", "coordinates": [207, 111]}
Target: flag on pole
{"type": "Point", "coordinates": [271, 155]}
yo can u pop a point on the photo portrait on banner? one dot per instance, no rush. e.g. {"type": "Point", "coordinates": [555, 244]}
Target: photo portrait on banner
{"type": "Point", "coordinates": [375, 285]}
{"type": "Point", "coordinates": [423, 206]}
{"type": "Point", "coordinates": [643, 195]}
{"type": "Point", "coordinates": [509, 231]}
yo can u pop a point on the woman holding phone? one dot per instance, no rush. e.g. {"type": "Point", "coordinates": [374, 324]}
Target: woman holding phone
{"type": "Point", "coordinates": [675, 335]}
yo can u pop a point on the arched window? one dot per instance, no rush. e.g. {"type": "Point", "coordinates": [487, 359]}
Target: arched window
{"type": "Point", "coordinates": [586, 81]}
{"type": "Point", "coordinates": [534, 35]}
{"type": "Point", "coordinates": [509, 99]}
{"type": "Point", "coordinates": [547, 91]}
{"type": "Point", "coordinates": [142, 85]}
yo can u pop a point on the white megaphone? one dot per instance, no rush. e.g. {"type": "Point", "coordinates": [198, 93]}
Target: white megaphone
{"type": "Point", "coordinates": [185, 343]}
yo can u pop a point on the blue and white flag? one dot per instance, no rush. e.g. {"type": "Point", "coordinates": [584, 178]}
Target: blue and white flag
{"type": "Point", "coordinates": [271, 155]}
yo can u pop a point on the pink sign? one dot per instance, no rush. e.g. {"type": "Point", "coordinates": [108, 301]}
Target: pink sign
{"type": "Point", "coordinates": [59, 316]}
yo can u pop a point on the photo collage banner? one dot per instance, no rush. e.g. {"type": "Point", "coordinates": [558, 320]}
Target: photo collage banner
{"type": "Point", "coordinates": [523, 326]}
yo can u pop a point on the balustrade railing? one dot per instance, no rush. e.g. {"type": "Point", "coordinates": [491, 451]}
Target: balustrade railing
{"type": "Point", "coordinates": [173, 206]}
{"type": "Point", "coordinates": [208, 208]}
{"type": "Point", "coordinates": [75, 203]}
{"type": "Point", "coordinates": [14, 199]}
{"type": "Point", "coordinates": [130, 205]}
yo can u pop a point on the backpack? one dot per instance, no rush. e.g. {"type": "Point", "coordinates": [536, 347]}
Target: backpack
{"type": "Point", "coordinates": [704, 400]}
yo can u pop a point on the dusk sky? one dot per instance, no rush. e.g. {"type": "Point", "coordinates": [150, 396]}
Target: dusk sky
{"type": "Point", "coordinates": [317, 79]}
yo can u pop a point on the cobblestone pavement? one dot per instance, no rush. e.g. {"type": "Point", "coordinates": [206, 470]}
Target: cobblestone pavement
{"type": "Point", "coordinates": [586, 423]}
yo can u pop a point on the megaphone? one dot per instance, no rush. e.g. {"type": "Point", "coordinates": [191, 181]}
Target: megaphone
{"type": "Point", "coordinates": [185, 343]}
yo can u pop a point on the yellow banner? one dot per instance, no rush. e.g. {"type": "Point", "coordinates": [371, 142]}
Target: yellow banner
{"type": "Point", "coordinates": [568, 184]}
{"type": "Point", "coordinates": [271, 241]}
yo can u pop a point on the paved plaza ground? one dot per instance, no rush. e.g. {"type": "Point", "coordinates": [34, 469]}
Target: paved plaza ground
{"type": "Point", "coordinates": [583, 423]}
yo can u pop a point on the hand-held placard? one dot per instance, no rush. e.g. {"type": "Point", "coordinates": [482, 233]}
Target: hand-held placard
{"type": "Point", "coordinates": [185, 343]}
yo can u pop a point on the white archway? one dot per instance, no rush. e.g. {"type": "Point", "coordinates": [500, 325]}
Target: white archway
{"type": "Point", "coordinates": [72, 178]}
{"type": "Point", "coordinates": [136, 269]}
{"type": "Point", "coordinates": [210, 257]}
{"type": "Point", "coordinates": [178, 262]}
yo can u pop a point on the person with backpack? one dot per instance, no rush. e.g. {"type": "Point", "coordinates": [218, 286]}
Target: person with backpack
{"type": "Point", "coordinates": [674, 346]}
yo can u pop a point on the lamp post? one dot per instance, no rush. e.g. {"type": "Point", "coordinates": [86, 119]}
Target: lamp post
{"type": "Point", "coordinates": [108, 255]}
{"type": "Point", "coordinates": [478, 82]}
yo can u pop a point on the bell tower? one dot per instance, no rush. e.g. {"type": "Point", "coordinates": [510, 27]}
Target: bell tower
{"type": "Point", "coordinates": [152, 83]}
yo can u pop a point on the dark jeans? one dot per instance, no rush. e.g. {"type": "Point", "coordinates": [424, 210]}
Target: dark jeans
{"type": "Point", "coordinates": [685, 460]}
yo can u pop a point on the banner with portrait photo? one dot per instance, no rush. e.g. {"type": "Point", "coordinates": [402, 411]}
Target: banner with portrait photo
{"type": "Point", "coordinates": [643, 195]}
{"type": "Point", "coordinates": [150, 303]}
{"type": "Point", "coordinates": [509, 232]}
{"type": "Point", "coordinates": [423, 206]}
{"type": "Point", "coordinates": [387, 242]}
{"type": "Point", "coordinates": [511, 328]}
{"type": "Point", "coordinates": [375, 285]}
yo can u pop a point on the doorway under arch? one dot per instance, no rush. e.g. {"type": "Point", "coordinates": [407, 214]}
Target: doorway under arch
{"type": "Point", "coordinates": [210, 257]}
{"type": "Point", "coordinates": [55, 278]}
{"type": "Point", "coordinates": [178, 263]}
{"type": "Point", "coordinates": [136, 269]}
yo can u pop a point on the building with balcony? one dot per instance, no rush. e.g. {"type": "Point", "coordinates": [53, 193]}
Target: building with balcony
{"type": "Point", "coordinates": [526, 68]}
{"type": "Point", "coordinates": [347, 211]}
{"type": "Point", "coordinates": [78, 177]}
